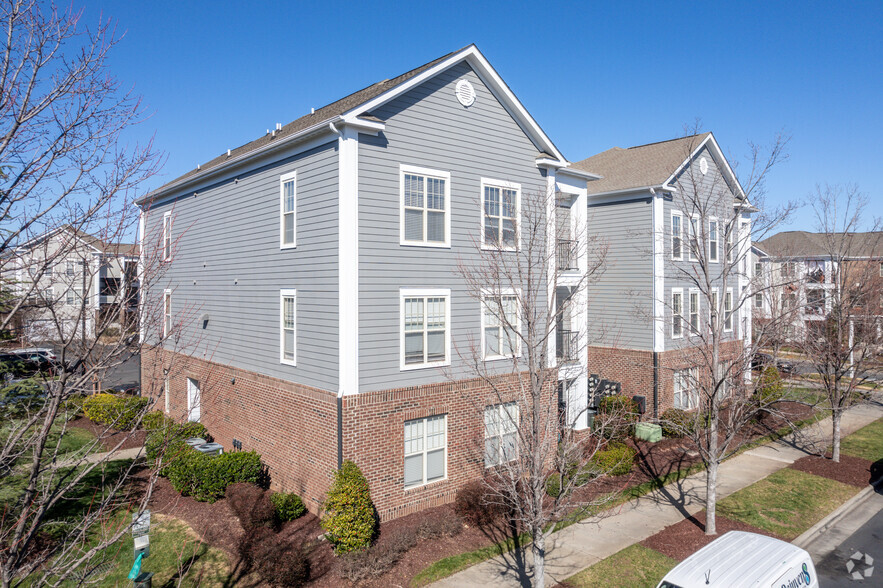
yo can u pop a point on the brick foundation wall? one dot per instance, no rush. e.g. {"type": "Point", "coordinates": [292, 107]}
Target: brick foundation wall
{"type": "Point", "coordinates": [293, 427]}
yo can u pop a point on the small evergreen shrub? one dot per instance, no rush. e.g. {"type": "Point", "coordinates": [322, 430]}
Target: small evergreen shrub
{"type": "Point", "coordinates": [616, 460]}
{"type": "Point", "coordinates": [616, 417]}
{"type": "Point", "coordinates": [206, 477]}
{"type": "Point", "coordinates": [120, 412]}
{"type": "Point", "coordinates": [770, 386]}
{"type": "Point", "coordinates": [288, 506]}
{"type": "Point", "coordinates": [168, 438]}
{"type": "Point", "coordinates": [350, 519]}
{"type": "Point", "coordinates": [251, 504]}
{"type": "Point", "coordinates": [677, 423]}
{"type": "Point", "coordinates": [154, 420]}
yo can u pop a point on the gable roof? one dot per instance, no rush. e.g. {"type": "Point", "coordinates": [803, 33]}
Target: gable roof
{"type": "Point", "coordinates": [356, 107]}
{"type": "Point", "coordinates": [807, 244]}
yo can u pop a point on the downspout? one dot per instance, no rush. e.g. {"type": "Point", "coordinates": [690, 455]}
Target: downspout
{"type": "Point", "coordinates": [655, 297]}
{"type": "Point", "coordinates": [655, 384]}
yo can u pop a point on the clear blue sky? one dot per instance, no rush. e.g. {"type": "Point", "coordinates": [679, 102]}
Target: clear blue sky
{"type": "Point", "coordinates": [595, 75]}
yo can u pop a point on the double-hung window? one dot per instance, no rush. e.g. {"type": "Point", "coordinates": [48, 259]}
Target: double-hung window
{"type": "Point", "coordinates": [425, 207]}
{"type": "Point", "coordinates": [728, 310]}
{"type": "Point", "coordinates": [69, 268]}
{"type": "Point", "coordinates": [500, 206]}
{"type": "Point", "coordinates": [425, 450]}
{"type": "Point", "coordinates": [167, 236]}
{"type": "Point", "coordinates": [288, 210]}
{"type": "Point", "coordinates": [677, 313]}
{"type": "Point", "coordinates": [758, 300]}
{"type": "Point", "coordinates": [500, 325]}
{"type": "Point", "coordinates": [500, 433]}
{"type": "Point", "coordinates": [713, 240]}
{"type": "Point", "coordinates": [694, 312]}
{"type": "Point", "coordinates": [425, 331]}
{"type": "Point", "coordinates": [287, 326]}
{"type": "Point", "coordinates": [677, 228]}
{"type": "Point", "coordinates": [70, 297]}
{"type": "Point", "coordinates": [686, 393]}
{"type": "Point", "coordinates": [728, 239]}
{"type": "Point", "coordinates": [694, 239]}
{"type": "Point", "coordinates": [758, 269]}
{"type": "Point", "coordinates": [167, 313]}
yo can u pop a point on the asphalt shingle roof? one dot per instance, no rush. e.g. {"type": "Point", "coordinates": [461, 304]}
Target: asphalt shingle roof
{"type": "Point", "coordinates": [639, 166]}
{"type": "Point", "coordinates": [806, 244]}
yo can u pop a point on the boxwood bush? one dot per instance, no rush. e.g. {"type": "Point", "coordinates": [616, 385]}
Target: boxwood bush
{"type": "Point", "coordinates": [120, 412]}
{"type": "Point", "coordinates": [350, 520]}
{"type": "Point", "coordinates": [206, 477]}
{"type": "Point", "coordinates": [616, 418]}
{"type": "Point", "coordinates": [677, 423]}
{"type": "Point", "coordinates": [616, 460]}
{"type": "Point", "coordinates": [288, 505]}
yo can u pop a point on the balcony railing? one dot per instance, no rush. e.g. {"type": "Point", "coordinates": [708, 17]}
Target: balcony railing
{"type": "Point", "coordinates": [566, 255]}
{"type": "Point", "coordinates": [568, 345]}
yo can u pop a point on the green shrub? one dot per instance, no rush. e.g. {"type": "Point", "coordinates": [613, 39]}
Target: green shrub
{"type": "Point", "coordinates": [616, 418]}
{"type": "Point", "coordinates": [770, 386]}
{"type": "Point", "coordinates": [169, 436]}
{"type": "Point", "coordinates": [120, 412]}
{"type": "Point", "coordinates": [21, 398]}
{"type": "Point", "coordinates": [350, 519]}
{"type": "Point", "coordinates": [616, 460]}
{"type": "Point", "coordinates": [154, 420]}
{"type": "Point", "coordinates": [206, 477]}
{"type": "Point", "coordinates": [677, 423]}
{"type": "Point", "coordinates": [73, 406]}
{"type": "Point", "coordinates": [288, 505]}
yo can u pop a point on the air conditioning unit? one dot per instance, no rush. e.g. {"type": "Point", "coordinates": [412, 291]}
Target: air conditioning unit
{"type": "Point", "coordinates": [194, 441]}
{"type": "Point", "coordinates": [210, 448]}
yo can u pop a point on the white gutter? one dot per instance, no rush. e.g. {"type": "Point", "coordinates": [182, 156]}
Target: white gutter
{"type": "Point", "coordinates": [651, 189]}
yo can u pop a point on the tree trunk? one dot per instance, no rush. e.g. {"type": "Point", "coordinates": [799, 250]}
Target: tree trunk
{"type": "Point", "coordinates": [711, 498]}
{"type": "Point", "coordinates": [539, 559]}
{"type": "Point", "coordinates": [835, 435]}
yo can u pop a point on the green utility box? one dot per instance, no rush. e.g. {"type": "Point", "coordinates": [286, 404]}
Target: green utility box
{"type": "Point", "coordinates": [648, 432]}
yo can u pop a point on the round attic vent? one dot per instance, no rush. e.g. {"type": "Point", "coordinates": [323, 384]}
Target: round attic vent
{"type": "Point", "coordinates": [465, 93]}
{"type": "Point", "coordinates": [703, 165]}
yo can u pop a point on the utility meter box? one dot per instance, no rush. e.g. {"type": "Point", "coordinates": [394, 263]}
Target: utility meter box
{"type": "Point", "coordinates": [142, 546]}
{"type": "Point", "coordinates": [648, 432]}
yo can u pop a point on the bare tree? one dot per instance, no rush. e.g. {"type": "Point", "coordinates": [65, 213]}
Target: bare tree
{"type": "Point", "coordinates": [513, 276]}
{"type": "Point", "coordinates": [67, 182]}
{"type": "Point", "coordinates": [846, 338]}
{"type": "Point", "coordinates": [709, 257]}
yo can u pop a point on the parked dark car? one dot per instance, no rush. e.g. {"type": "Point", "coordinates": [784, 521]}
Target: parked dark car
{"type": "Point", "coordinates": [761, 360]}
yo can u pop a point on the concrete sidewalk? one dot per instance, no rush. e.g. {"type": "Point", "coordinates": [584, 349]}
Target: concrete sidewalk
{"type": "Point", "coordinates": [120, 454]}
{"type": "Point", "coordinates": [581, 545]}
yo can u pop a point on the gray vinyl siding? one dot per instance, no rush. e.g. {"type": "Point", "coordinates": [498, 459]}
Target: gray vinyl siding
{"type": "Point", "coordinates": [427, 127]}
{"type": "Point", "coordinates": [620, 309]}
{"type": "Point", "coordinates": [675, 271]}
{"type": "Point", "coordinates": [228, 265]}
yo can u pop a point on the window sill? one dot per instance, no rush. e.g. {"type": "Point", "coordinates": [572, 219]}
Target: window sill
{"type": "Point", "coordinates": [500, 357]}
{"type": "Point", "coordinates": [485, 247]}
{"type": "Point", "coordinates": [292, 363]}
{"type": "Point", "coordinates": [425, 484]}
{"type": "Point", "coordinates": [421, 366]}
{"type": "Point", "coordinates": [289, 246]}
{"type": "Point", "coordinates": [425, 244]}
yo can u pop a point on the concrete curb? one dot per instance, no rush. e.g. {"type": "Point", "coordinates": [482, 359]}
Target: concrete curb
{"type": "Point", "coordinates": [843, 510]}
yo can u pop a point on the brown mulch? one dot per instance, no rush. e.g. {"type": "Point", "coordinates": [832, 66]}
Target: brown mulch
{"type": "Point", "coordinates": [683, 539]}
{"type": "Point", "coordinates": [851, 470]}
{"type": "Point", "coordinates": [110, 437]}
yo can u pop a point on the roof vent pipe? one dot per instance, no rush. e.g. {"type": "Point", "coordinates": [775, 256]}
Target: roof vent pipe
{"type": "Point", "coordinates": [228, 153]}
{"type": "Point", "coordinates": [312, 111]}
{"type": "Point", "coordinates": [278, 126]}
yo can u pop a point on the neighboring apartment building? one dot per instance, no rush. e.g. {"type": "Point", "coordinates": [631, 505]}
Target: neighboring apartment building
{"type": "Point", "coordinates": [320, 263]}
{"type": "Point", "coordinates": [646, 310]}
{"type": "Point", "coordinates": [56, 271]}
{"type": "Point", "coordinates": [799, 270]}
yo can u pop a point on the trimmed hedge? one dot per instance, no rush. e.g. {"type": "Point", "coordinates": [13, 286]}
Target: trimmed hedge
{"type": "Point", "coordinates": [350, 519]}
{"type": "Point", "coordinates": [170, 436]}
{"type": "Point", "coordinates": [617, 460]}
{"type": "Point", "coordinates": [206, 477]}
{"type": "Point", "coordinates": [616, 418]}
{"type": "Point", "coordinates": [288, 505]}
{"type": "Point", "coordinates": [677, 423]}
{"type": "Point", "coordinates": [154, 420]}
{"type": "Point", "coordinates": [121, 412]}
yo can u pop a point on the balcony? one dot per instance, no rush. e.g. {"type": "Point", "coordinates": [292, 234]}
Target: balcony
{"type": "Point", "coordinates": [568, 346]}
{"type": "Point", "coordinates": [566, 254]}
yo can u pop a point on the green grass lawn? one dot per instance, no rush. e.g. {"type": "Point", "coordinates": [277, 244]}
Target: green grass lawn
{"type": "Point", "coordinates": [635, 566]}
{"type": "Point", "coordinates": [866, 443]}
{"type": "Point", "coordinates": [786, 503]}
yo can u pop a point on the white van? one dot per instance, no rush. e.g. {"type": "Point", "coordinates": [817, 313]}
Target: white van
{"type": "Point", "coordinates": [738, 559]}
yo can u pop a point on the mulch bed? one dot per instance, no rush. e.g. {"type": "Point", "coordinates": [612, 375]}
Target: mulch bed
{"type": "Point", "coordinates": [683, 539]}
{"type": "Point", "coordinates": [110, 437]}
{"type": "Point", "coordinates": [851, 470]}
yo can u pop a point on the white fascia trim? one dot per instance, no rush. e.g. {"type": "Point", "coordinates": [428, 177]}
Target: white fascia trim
{"type": "Point", "coordinates": [348, 261]}
{"type": "Point", "coordinates": [367, 127]}
{"type": "Point", "coordinates": [290, 176]}
{"type": "Point", "coordinates": [283, 294]}
{"type": "Point", "coordinates": [713, 142]}
{"type": "Point", "coordinates": [577, 173]}
{"type": "Point", "coordinates": [505, 186]}
{"type": "Point", "coordinates": [658, 217]}
{"type": "Point", "coordinates": [636, 190]}
{"type": "Point", "coordinates": [426, 172]}
{"type": "Point", "coordinates": [424, 293]}
{"type": "Point", "coordinates": [683, 306]}
{"type": "Point", "coordinates": [488, 293]}
{"type": "Point", "coordinates": [491, 79]}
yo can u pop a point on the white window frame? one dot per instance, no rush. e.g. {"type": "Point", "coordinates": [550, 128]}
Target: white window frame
{"type": "Point", "coordinates": [677, 317]}
{"type": "Point", "coordinates": [405, 293]}
{"type": "Point", "coordinates": [502, 415]}
{"type": "Point", "coordinates": [69, 268]}
{"type": "Point", "coordinates": [679, 235]}
{"type": "Point", "coordinates": [694, 236]}
{"type": "Point", "coordinates": [70, 297]}
{"type": "Point", "coordinates": [758, 300]}
{"type": "Point", "coordinates": [432, 173]}
{"type": "Point", "coordinates": [716, 241]}
{"type": "Point", "coordinates": [696, 312]}
{"type": "Point", "coordinates": [689, 390]}
{"type": "Point", "coordinates": [283, 294]}
{"type": "Point", "coordinates": [284, 179]}
{"type": "Point", "coordinates": [425, 452]}
{"type": "Point", "coordinates": [728, 310]}
{"type": "Point", "coordinates": [729, 229]}
{"type": "Point", "coordinates": [758, 268]}
{"type": "Point", "coordinates": [166, 313]}
{"type": "Point", "coordinates": [167, 236]}
{"type": "Point", "coordinates": [509, 292]}
{"type": "Point", "coordinates": [502, 185]}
